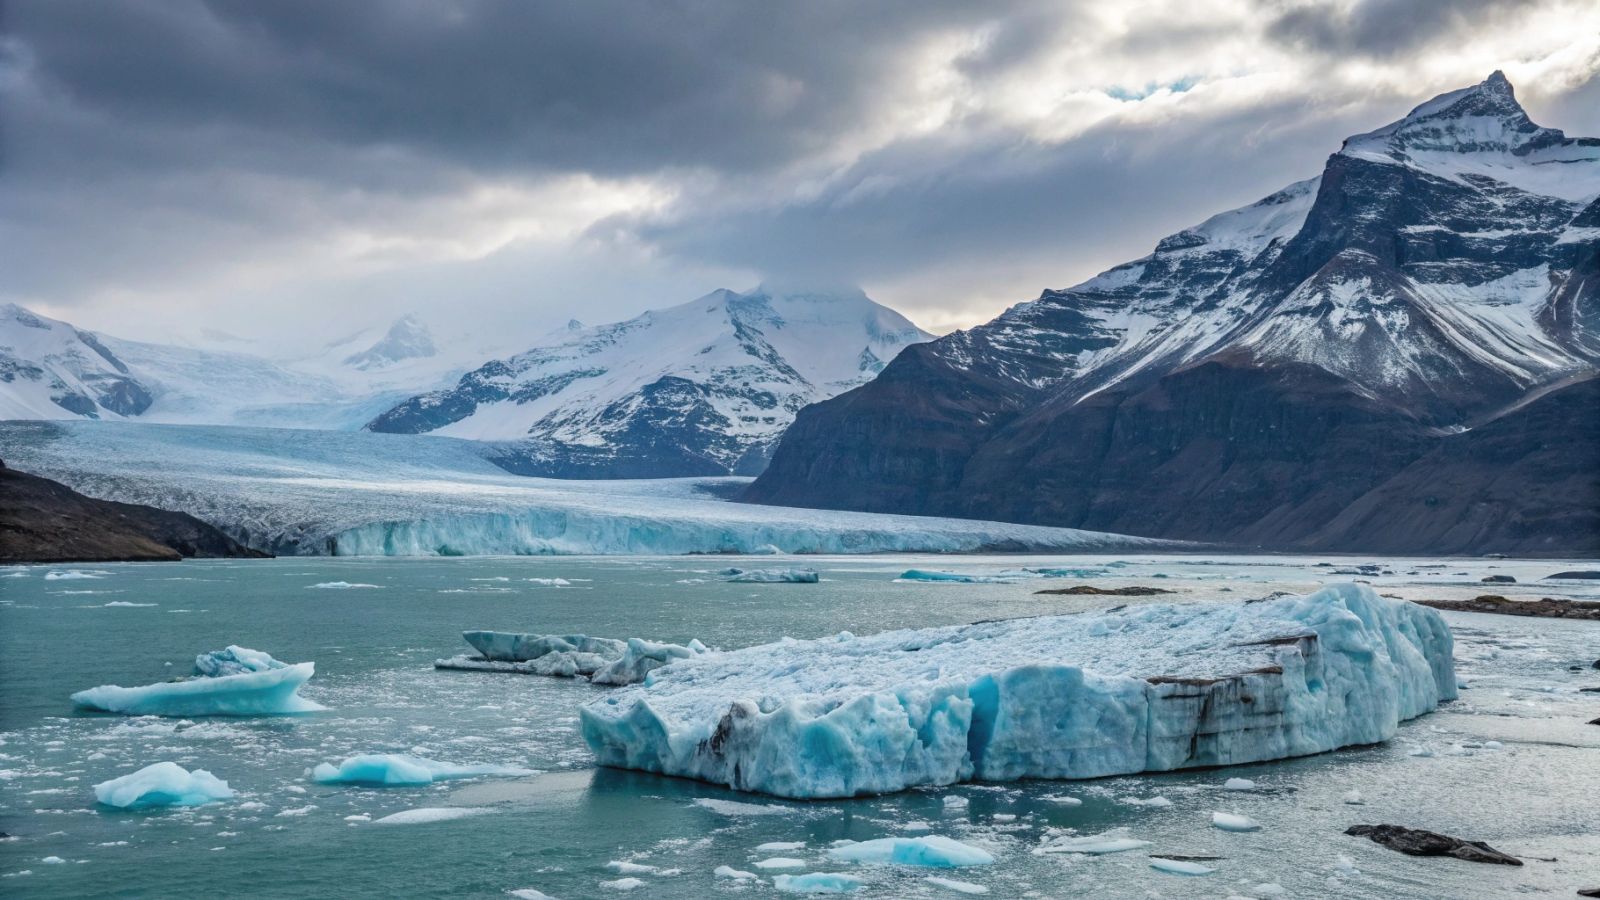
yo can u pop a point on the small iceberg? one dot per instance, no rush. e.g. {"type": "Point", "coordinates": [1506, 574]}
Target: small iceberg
{"type": "Point", "coordinates": [732, 874]}
{"type": "Point", "coordinates": [1179, 866]}
{"type": "Point", "coordinates": [232, 682]}
{"type": "Point", "coordinates": [395, 770]}
{"type": "Point", "coordinates": [1234, 822]}
{"type": "Point", "coordinates": [818, 883]}
{"type": "Point", "coordinates": [1113, 841]}
{"type": "Point", "coordinates": [1144, 688]}
{"type": "Point", "coordinates": [162, 784]}
{"type": "Point", "coordinates": [960, 887]}
{"type": "Point", "coordinates": [923, 575]}
{"type": "Point", "coordinates": [932, 851]}
{"type": "Point", "coordinates": [771, 576]}
{"type": "Point", "coordinates": [601, 660]}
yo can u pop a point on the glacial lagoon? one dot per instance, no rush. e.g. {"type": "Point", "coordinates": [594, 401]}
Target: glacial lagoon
{"type": "Point", "coordinates": [1512, 762]}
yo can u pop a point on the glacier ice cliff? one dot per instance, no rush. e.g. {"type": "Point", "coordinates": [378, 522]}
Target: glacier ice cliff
{"type": "Point", "coordinates": [359, 494]}
{"type": "Point", "coordinates": [1146, 688]}
{"type": "Point", "coordinates": [232, 682]}
{"type": "Point", "coordinates": [162, 784]}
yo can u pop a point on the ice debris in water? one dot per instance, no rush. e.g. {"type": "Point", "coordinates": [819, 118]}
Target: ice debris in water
{"type": "Point", "coordinates": [397, 769]}
{"type": "Point", "coordinates": [781, 862]}
{"type": "Point", "coordinates": [1179, 866]}
{"type": "Point", "coordinates": [1114, 841]}
{"type": "Point", "coordinates": [1353, 798]}
{"type": "Point", "coordinates": [601, 660]}
{"type": "Point", "coordinates": [1238, 784]}
{"type": "Point", "coordinates": [623, 884]}
{"type": "Point", "coordinates": [923, 575]}
{"type": "Point", "coordinates": [1234, 822]}
{"type": "Point", "coordinates": [770, 576]}
{"type": "Point", "coordinates": [818, 883]}
{"type": "Point", "coordinates": [162, 784]}
{"type": "Point", "coordinates": [346, 586]}
{"type": "Point", "coordinates": [232, 682]}
{"type": "Point", "coordinates": [933, 851]}
{"type": "Point", "coordinates": [960, 887]}
{"type": "Point", "coordinates": [1146, 688]}
{"type": "Point", "coordinates": [430, 814]}
{"type": "Point", "coordinates": [729, 872]}
{"type": "Point", "coordinates": [775, 846]}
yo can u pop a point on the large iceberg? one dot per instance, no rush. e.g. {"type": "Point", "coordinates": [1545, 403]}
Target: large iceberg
{"type": "Point", "coordinates": [162, 784]}
{"type": "Point", "coordinates": [362, 494]}
{"type": "Point", "coordinates": [401, 770]}
{"type": "Point", "coordinates": [771, 576]}
{"type": "Point", "coordinates": [1143, 688]}
{"type": "Point", "coordinates": [601, 660]}
{"type": "Point", "coordinates": [234, 682]}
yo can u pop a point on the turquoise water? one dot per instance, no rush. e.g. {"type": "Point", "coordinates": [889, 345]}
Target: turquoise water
{"type": "Point", "coordinates": [556, 832]}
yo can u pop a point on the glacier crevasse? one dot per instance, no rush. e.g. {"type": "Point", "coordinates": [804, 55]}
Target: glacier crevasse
{"type": "Point", "coordinates": [1146, 688]}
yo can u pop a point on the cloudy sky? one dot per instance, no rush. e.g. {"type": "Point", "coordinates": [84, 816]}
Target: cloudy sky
{"type": "Point", "coordinates": [297, 167]}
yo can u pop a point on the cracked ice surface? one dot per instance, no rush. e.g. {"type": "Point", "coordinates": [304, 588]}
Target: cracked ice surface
{"type": "Point", "coordinates": [1149, 688]}
{"type": "Point", "coordinates": [360, 494]}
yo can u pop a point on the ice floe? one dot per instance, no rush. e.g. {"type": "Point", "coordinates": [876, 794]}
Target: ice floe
{"type": "Point", "coordinates": [256, 685]}
{"type": "Point", "coordinates": [429, 814]}
{"type": "Point", "coordinates": [818, 883]}
{"type": "Point", "coordinates": [400, 769]}
{"type": "Point", "coordinates": [732, 874]}
{"type": "Point", "coordinates": [1179, 866]}
{"type": "Point", "coordinates": [162, 784]}
{"type": "Point", "coordinates": [1234, 822]}
{"type": "Point", "coordinates": [345, 586]}
{"type": "Point", "coordinates": [1145, 688]}
{"type": "Point", "coordinates": [770, 576]}
{"type": "Point", "coordinates": [1117, 840]}
{"type": "Point", "coordinates": [960, 887]}
{"type": "Point", "coordinates": [933, 851]}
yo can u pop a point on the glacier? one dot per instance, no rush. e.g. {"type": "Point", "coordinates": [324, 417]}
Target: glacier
{"type": "Point", "coordinates": [232, 682]}
{"type": "Point", "coordinates": [1143, 688]}
{"type": "Point", "coordinates": [162, 784]}
{"type": "Point", "coordinates": [401, 770]}
{"type": "Point", "coordinates": [363, 494]}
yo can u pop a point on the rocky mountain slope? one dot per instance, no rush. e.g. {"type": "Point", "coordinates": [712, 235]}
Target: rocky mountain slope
{"type": "Point", "coordinates": [46, 521]}
{"type": "Point", "coordinates": [703, 388]}
{"type": "Point", "coordinates": [1279, 374]}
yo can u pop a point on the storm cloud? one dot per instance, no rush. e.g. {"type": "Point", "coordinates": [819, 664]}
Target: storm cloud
{"type": "Point", "coordinates": [177, 164]}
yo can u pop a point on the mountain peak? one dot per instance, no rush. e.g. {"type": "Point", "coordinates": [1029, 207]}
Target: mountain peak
{"type": "Point", "coordinates": [406, 339]}
{"type": "Point", "coordinates": [1483, 118]}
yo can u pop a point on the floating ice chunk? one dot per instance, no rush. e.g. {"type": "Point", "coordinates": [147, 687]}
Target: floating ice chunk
{"type": "Point", "coordinates": [781, 862]}
{"type": "Point", "coordinates": [73, 575]}
{"type": "Point", "coordinates": [1153, 802]}
{"type": "Point", "coordinates": [429, 814]}
{"type": "Point", "coordinates": [396, 769]}
{"type": "Point", "coordinates": [529, 894]}
{"type": "Point", "coordinates": [344, 586]}
{"type": "Point", "coordinates": [1234, 822]}
{"type": "Point", "coordinates": [1146, 688]}
{"type": "Point", "coordinates": [262, 687]}
{"type": "Point", "coordinates": [934, 851]}
{"type": "Point", "coordinates": [771, 576]}
{"type": "Point", "coordinates": [162, 784]}
{"type": "Point", "coordinates": [1353, 798]}
{"type": "Point", "coordinates": [775, 846]}
{"type": "Point", "coordinates": [551, 582]}
{"type": "Point", "coordinates": [116, 603]}
{"type": "Point", "coordinates": [923, 575]}
{"type": "Point", "coordinates": [960, 887]}
{"type": "Point", "coordinates": [1345, 867]}
{"type": "Point", "coordinates": [818, 883]}
{"type": "Point", "coordinates": [1062, 800]}
{"type": "Point", "coordinates": [1493, 745]}
{"type": "Point", "coordinates": [1238, 784]}
{"type": "Point", "coordinates": [1269, 889]}
{"type": "Point", "coordinates": [622, 884]}
{"type": "Point", "coordinates": [1179, 866]}
{"type": "Point", "coordinates": [735, 808]}
{"type": "Point", "coordinates": [625, 867]}
{"type": "Point", "coordinates": [1114, 841]}
{"type": "Point", "coordinates": [956, 801]}
{"type": "Point", "coordinates": [643, 657]}
{"type": "Point", "coordinates": [732, 874]}
{"type": "Point", "coordinates": [1004, 817]}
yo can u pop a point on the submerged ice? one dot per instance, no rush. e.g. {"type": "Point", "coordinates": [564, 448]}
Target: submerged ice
{"type": "Point", "coordinates": [1147, 688]}
{"type": "Point", "coordinates": [236, 681]}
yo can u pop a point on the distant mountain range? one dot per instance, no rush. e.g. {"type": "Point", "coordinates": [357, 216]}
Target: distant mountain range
{"type": "Point", "coordinates": [702, 388]}
{"type": "Point", "coordinates": [1399, 355]}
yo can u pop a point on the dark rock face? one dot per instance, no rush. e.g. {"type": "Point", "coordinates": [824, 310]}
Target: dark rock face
{"type": "Point", "coordinates": [1547, 608]}
{"type": "Point", "coordinates": [1332, 368]}
{"type": "Point", "coordinates": [45, 521]}
{"type": "Point", "coordinates": [1416, 842]}
{"type": "Point", "coordinates": [1498, 579]}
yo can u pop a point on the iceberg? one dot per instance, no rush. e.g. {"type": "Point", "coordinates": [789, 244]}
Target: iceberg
{"type": "Point", "coordinates": [1234, 822]}
{"type": "Point", "coordinates": [162, 784]}
{"type": "Point", "coordinates": [1179, 866]}
{"type": "Point", "coordinates": [364, 494]}
{"type": "Point", "coordinates": [818, 883]}
{"type": "Point", "coordinates": [771, 576]}
{"type": "Point", "coordinates": [1146, 688]}
{"type": "Point", "coordinates": [601, 660]}
{"type": "Point", "coordinates": [232, 682]}
{"type": "Point", "coordinates": [397, 769]}
{"type": "Point", "coordinates": [956, 577]}
{"type": "Point", "coordinates": [643, 657]}
{"type": "Point", "coordinates": [933, 851]}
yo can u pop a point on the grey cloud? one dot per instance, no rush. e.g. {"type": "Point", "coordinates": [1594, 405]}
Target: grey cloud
{"type": "Point", "coordinates": [1384, 28]}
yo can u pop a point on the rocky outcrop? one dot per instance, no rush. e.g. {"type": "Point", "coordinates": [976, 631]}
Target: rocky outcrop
{"type": "Point", "coordinates": [1416, 842]}
{"type": "Point", "coordinates": [45, 521]}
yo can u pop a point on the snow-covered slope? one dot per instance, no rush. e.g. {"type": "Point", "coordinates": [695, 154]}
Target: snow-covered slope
{"type": "Point", "coordinates": [355, 493]}
{"type": "Point", "coordinates": [1439, 270]}
{"type": "Point", "coordinates": [701, 388]}
{"type": "Point", "coordinates": [51, 370]}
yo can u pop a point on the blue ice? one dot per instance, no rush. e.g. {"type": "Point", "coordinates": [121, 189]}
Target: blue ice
{"type": "Point", "coordinates": [162, 784]}
{"type": "Point", "coordinates": [398, 769]}
{"type": "Point", "coordinates": [232, 682]}
{"type": "Point", "coordinates": [933, 851]}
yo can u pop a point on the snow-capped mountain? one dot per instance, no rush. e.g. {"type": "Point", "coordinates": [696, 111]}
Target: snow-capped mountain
{"type": "Point", "coordinates": [406, 339]}
{"type": "Point", "coordinates": [701, 388]}
{"type": "Point", "coordinates": [1440, 270]}
{"type": "Point", "coordinates": [49, 370]}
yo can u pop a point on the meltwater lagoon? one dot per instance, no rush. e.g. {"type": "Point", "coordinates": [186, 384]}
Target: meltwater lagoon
{"type": "Point", "coordinates": [1512, 762]}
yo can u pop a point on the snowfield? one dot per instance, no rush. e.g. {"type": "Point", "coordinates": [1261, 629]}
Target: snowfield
{"type": "Point", "coordinates": [1149, 688]}
{"type": "Point", "coordinates": [361, 494]}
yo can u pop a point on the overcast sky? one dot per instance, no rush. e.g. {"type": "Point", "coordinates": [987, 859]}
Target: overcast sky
{"type": "Point", "coordinates": [277, 170]}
